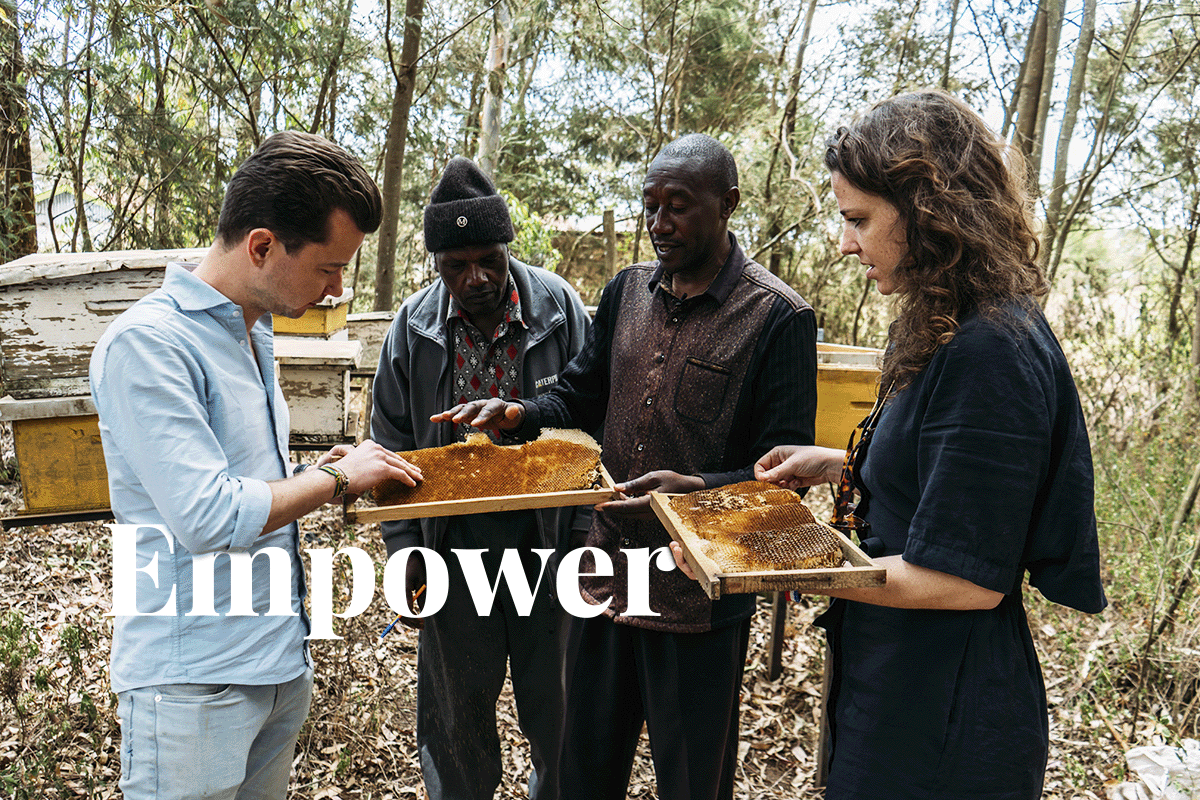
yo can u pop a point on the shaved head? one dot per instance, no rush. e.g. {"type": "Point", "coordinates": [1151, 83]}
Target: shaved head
{"type": "Point", "coordinates": [710, 159]}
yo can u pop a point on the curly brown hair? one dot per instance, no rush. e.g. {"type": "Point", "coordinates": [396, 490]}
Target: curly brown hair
{"type": "Point", "coordinates": [960, 192]}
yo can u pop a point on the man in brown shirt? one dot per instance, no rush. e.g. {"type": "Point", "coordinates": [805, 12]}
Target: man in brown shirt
{"type": "Point", "coordinates": [697, 364]}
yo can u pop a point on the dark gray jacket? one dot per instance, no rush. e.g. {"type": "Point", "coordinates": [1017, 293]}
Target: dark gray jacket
{"type": "Point", "coordinates": [414, 375]}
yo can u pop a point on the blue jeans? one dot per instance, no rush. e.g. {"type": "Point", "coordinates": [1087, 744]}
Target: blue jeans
{"type": "Point", "coordinates": [225, 742]}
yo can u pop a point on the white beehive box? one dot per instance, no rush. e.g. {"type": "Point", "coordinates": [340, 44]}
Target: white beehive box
{"type": "Point", "coordinates": [53, 308]}
{"type": "Point", "coordinates": [315, 377]}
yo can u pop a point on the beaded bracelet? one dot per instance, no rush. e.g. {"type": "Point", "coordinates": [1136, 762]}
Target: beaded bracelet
{"type": "Point", "coordinates": [341, 482]}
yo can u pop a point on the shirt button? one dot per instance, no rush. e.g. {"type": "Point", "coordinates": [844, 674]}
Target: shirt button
{"type": "Point", "coordinates": [660, 358]}
{"type": "Point", "coordinates": [625, 542]}
{"type": "Point", "coordinates": [649, 401]}
{"type": "Point", "coordinates": [675, 319]}
{"type": "Point", "coordinates": [640, 447]}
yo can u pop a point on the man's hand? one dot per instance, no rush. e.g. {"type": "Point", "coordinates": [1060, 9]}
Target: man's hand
{"type": "Point", "coordinates": [793, 466]}
{"type": "Point", "coordinates": [414, 583]}
{"type": "Point", "coordinates": [493, 414]}
{"type": "Point", "coordinates": [633, 496]}
{"type": "Point", "coordinates": [364, 466]}
{"type": "Point", "coordinates": [369, 464]}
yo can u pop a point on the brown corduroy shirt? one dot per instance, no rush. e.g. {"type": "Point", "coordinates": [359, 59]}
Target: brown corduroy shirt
{"type": "Point", "coordinates": [702, 386]}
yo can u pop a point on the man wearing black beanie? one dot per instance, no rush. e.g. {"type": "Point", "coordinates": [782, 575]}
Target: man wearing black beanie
{"type": "Point", "coordinates": [491, 326]}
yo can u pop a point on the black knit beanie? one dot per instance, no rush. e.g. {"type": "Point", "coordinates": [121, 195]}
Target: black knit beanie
{"type": "Point", "coordinates": [465, 210]}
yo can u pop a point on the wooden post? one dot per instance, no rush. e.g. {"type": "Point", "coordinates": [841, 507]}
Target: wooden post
{"type": "Point", "coordinates": [779, 609]}
{"type": "Point", "coordinates": [824, 734]}
{"type": "Point", "coordinates": [610, 242]}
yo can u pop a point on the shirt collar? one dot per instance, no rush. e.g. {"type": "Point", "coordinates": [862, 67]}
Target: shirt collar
{"type": "Point", "coordinates": [512, 306]}
{"type": "Point", "coordinates": [728, 276]}
{"type": "Point", "coordinates": [190, 292]}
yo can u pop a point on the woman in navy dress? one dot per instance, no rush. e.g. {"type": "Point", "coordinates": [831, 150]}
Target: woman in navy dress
{"type": "Point", "coordinates": [978, 470]}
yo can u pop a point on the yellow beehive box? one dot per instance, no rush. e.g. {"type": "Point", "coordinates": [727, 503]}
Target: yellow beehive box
{"type": "Point", "coordinates": [322, 321]}
{"type": "Point", "coordinates": [847, 383]}
{"type": "Point", "coordinates": [57, 444]}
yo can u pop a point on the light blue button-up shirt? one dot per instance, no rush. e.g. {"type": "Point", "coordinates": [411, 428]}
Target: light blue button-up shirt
{"type": "Point", "coordinates": [194, 425]}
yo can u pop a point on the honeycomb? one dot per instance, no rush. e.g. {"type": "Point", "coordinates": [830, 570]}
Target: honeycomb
{"type": "Point", "coordinates": [752, 526]}
{"type": "Point", "coordinates": [557, 461]}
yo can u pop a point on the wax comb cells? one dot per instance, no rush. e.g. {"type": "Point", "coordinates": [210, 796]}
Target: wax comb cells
{"type": "Point", "coordinates": [753, 526]}
{"type": "Point", "coordinates": [559, 460]}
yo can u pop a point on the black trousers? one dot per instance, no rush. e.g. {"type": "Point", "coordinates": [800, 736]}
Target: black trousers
{"type": "Point", "coordinates": [684, 686]}
{"type": "Point", "coordinates": [461, 663]}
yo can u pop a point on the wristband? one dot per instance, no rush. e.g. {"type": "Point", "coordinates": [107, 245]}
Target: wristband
{"type": "Point", "coordinates": [341, 482]}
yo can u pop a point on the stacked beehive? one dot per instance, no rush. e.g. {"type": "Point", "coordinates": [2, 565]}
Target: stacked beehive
{"type": "Point", "coordinates": [53, 308]}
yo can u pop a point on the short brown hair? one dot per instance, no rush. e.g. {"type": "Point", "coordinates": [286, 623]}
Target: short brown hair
{"type": "Point", "coordinates": [291, 184]}
{"type": "Point", "coordinates": [960, 191]}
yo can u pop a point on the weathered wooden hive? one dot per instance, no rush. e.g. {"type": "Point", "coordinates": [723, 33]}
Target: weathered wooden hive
{"type": "Point", "coordinates": [370, 328]}
{"type": "Point", "coordinates": [53, 309]}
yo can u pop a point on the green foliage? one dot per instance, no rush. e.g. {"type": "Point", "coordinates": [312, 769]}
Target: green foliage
{"type": "Point", "coordinates": [50, 728]}
{"type": "Point", "coordinates": [534, 243]}
{"type": "Point", "coordinates": [18, 644]}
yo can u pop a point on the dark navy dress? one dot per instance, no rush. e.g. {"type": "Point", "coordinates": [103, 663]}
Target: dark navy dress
{"type": "Point", "coordinates": [980, 468]}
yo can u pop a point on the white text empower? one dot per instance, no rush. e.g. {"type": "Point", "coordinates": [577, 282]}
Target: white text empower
{"type": "Point", "coordinates": [362, 580]}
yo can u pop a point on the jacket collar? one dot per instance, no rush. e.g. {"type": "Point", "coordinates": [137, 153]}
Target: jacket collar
{"type": "Point", "coordinates": [540, 310]}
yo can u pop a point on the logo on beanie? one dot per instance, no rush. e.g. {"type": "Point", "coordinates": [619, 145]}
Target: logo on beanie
{"type": "Point", "coordinates": [462, 222]}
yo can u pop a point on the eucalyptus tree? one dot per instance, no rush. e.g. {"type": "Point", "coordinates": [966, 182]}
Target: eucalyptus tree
{"type": "Point", "coordinates": [18, 227]}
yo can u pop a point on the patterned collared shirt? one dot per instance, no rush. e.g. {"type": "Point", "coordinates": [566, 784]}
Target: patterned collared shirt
{"type": "Point", "coordinates": [486, 367]}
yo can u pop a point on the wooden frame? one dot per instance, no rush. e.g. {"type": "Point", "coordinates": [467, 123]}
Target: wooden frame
{"type": "Point", "coordinates": [862, 572]}
{"type": "Point", "coordinates": [484, 505]}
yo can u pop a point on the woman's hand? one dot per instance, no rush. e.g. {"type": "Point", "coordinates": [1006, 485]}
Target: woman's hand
{"type": "Point", "coordinates": [680, 561]}
{"type": "Point", "coordinates": [792, 466]}
{"type": "Point", "coordinates": [634, 498]}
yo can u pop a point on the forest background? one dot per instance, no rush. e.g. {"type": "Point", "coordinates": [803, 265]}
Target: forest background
{"type": "Point", "coordinates": [138, 112]}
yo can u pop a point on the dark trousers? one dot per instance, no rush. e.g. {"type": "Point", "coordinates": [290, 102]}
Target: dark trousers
{"type": "Point", "coordinates": [684, 686]}
{"type": "Point", "coordinates": [461, 663]}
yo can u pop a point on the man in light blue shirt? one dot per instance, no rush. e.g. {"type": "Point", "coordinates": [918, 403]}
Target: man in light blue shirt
{"type": "Point", "coordinates": [212, 675]}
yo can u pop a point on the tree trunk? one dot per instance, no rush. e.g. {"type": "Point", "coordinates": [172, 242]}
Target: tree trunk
{"type": "Point", "coordinates": [405, 74]}
{"type": "Point", "coordinates": [493, 98]}
{"type": "Point", "coordinates": [1054, 20]}
{"type": "Point", "coordinates": [1181, 272]}
{"type": "Point", "coordinates": [18, 224]}
{"type": "Point", "coordinates": [905, 41]}
{"type": "Point", "coordinates": [949, 46]}
{"type": "Point", "coordinates": [1193, 384]}
{"type": "Point", "coordinates": [79, 183]}
{"type": "Point", "coordinates": [1010, 108]}
{"type": "Point", "coordinates": [610, 243]}
{"type": "Point", "coordinates": [1058, 185]}
{"type": "Point", "coordinates": [329, 80]}
{"type": "Point", "coordinates": [1030, 90]}
{"type": "Point", "coordinates": [787, 129]}
{"type": "Point", "coordinates": [1096, 160]}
